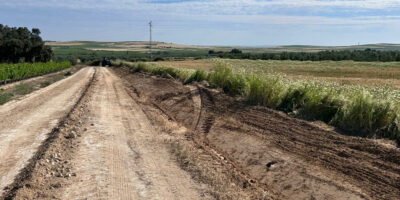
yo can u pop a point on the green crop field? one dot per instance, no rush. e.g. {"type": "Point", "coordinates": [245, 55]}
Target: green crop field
{"type": "Point", "coordinates": [132, 51]}
{"type": "Point", "coordinates": [19, 71]}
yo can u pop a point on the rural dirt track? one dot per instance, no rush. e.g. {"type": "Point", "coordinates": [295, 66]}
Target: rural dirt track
{"type": "Point", "coordinates": [25, 123]}
{"type": "Point", "coordinates": [108, 134]}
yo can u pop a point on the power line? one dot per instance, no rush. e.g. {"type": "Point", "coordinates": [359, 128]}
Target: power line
{"type": "Point", "coordinates": [151, 26]}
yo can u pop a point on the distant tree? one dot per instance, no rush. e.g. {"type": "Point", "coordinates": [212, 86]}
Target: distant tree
{"type": "Point", "coordinates": [18, 44]}
{"type": "Point", "coordinates": [236, 51]}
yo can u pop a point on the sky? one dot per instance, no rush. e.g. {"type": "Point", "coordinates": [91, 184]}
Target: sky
{"type": "Point", "coordinates": [211, 22]}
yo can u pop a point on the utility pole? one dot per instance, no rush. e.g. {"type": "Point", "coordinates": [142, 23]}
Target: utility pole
{"type": "Point", "coordinates": [151, 26]}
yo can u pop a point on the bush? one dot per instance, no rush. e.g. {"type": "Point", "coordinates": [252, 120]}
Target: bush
{"type": "Point", "coordinates": [198, 76]}
{"type": "Point", "coordinates": [364, 114]}
{"type": "Point", "coordinates": [267, 91]}
{"type": "Point", "coordinates": [68, 73]}
{"type": "Point", "coordinates": [318, 104]}
{"type": "Point", "coordinates": [159, 59]}
{"type": "Point", "coordinates": [223, 77]}
{"type": "Point", "coordinates": [95, 63]}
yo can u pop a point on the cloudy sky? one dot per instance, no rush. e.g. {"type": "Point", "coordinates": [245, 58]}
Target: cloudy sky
{"type": "Point", "coordinates": [211, 22]}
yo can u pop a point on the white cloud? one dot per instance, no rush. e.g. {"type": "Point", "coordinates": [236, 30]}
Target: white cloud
{"type": "Point", "coordinates": [237, 11]}
{"type": "Point", "coordinates": [224, 6]}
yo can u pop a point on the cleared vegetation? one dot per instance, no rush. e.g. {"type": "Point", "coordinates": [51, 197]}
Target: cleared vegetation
{"type": "Point", "coordinates": [14, 72]}
{"type": "Point", "coordinates": [367, 112]}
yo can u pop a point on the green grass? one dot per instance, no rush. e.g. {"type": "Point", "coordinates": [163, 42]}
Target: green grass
{"type": "Point", "coordinates": [5, 97]}
{"type": "Point", "coordinates": [198, 76]}
{"type": "Point", "coordinates": [22, 89]}
{"type": "Point", "coordinates": [355, 109]}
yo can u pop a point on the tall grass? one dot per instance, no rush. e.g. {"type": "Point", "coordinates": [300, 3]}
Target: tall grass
{"type": "Point", "coordinates": [353, 110]}
{"type": "Point", "coordinates": [14, 72]}
{"type": "Point", "coordinates": [223, 77]}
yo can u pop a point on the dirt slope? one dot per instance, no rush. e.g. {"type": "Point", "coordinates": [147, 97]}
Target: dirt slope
{"type": "Point", "coordinates": [291, 158]}
{"type": "Point", "coordinates": [25, 123]}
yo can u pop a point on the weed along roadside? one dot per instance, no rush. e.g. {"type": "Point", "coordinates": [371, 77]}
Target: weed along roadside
{"type": "Point", "coordinates": [355, 110]}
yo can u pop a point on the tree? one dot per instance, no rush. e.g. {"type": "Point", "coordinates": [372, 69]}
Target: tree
{"type": "Point", "coordinates": [21, 45]}
{"type": "Point", "coordinates": [236, 51]}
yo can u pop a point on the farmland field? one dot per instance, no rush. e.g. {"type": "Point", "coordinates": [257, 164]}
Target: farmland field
{"type": "Point", "coordinates": [345, 72]}
{"type": "Point", "coordinates": [380, 78]}
{"type": "Point", "coordinates": [13, 72]}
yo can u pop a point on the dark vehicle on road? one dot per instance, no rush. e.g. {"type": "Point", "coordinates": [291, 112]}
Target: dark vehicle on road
{"type": "Point", "coordinates": [106, 62]}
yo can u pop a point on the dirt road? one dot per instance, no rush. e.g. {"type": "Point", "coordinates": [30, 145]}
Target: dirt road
{"type": "Point", "coordinates": [25, 123]}
{"type": "Point", "coordinates": [108, 134]}
{"type": "Point", "coordinates": [122, 156]}
{"type": "Point", "coordinates": [119, 154]}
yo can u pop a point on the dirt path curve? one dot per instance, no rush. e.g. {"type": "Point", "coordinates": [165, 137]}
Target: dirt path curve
{"type": "Point", "coordinates": [25, 123]}
{"type": "Point", "coordinates": [121, 156]}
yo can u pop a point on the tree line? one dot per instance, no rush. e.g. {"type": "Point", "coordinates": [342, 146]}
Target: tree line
{"type": "Point", "coordinates": [367, 55]}
{"type": "Point", "coordinates": [19, 44]}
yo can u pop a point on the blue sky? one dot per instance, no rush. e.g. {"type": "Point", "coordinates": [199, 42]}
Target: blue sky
{"type": "Point", "coordinates": [211, 22]}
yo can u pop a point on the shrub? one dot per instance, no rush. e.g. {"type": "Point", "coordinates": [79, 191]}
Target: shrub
{"type": "Point", "coordinates": [318, 104]}
{"type": "Point", "coordinates": [95, 63]}
{"type": "Point", "coordinates": [223, 77]}
{"type": "Point", "coordinates": [198, 76]}
{"type": "Point", "coordinates": [266, 91]}
{"type": "Point", "coordinates": [364, 114]}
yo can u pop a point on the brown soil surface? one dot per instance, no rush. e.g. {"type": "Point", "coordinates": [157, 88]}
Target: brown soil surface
{"type": "Point", "coordinates": [289, 158]}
